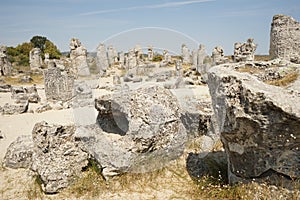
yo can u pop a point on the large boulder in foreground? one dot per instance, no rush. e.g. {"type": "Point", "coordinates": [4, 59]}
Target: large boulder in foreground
{"type": "Point", "coordinates": [259, 126]}
{"type": "Point", "coordinates": [136, 131]}
{"type": "Point", "coordinates": [58, 158]}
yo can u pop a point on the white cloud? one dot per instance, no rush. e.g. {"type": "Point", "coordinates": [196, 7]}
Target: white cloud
{"type": "Point", "coordinates": [154, 6]}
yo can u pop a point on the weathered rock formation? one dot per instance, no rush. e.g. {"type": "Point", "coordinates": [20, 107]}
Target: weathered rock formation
{"type": "Point", "coordinates": [58, 158]}
{"type": "Point", "coordinates": [259, 126]}
{"type": "Point", "coordinates": [5, 65]}
{"type": "Point", "coordinates": [285, 38]}
{"type": "Point", "coordinates": [58, 84]}
{"type": "Point", "coordinates": [22, 94]}
{"type": "Point", "coordinates": [244, 51]}
{"type": "Point", "coordinates": [102, 59]}
{"type": "Point", "coordinates": [218, 56]}
{"type": "Point", "coordinates": [19, 153]}
{"type": "Point", "coordinates": [35, 59]}
{"type": "Point", "coordinates": [14, 109]}
{"type": "Point", "coordinates": [186, 57]}
{"type": "Point", "coordinates": [78, 56]}
{"type": "Point", "coordinates": [136, 131]}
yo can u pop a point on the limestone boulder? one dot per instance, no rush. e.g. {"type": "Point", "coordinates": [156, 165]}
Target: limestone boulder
{"type": "Point", "coordinates": [19, 153]}
{"type": "Point", "coordinates": [14, 109]}
{"type": "Point", "coordinates": [259, 126]}
{"type": "Point", "coordinates": [58, 158]}
{"type": "Point", "coordinates": [136, 131]}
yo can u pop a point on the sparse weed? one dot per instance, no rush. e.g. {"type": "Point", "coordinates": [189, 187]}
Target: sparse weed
{"type": "Point", "coordinates": [285, 81]}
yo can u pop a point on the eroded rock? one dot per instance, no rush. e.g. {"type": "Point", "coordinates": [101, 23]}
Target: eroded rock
{"type": "Point", "coordinates": [19, 153]}
{"type": "Point", "coordinates": [13, 109]}
{"type": "Point", "coordinates": [259, 126]}
{"type": "Point", "coordinates": [136, 131]}
{"type": "Point", "coordinates": [58, 158]}
{"type": "Point", "coordinates": [285, 38]}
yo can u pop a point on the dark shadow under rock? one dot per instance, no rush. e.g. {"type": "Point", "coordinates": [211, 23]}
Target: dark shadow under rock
{"type": "Point", "coordinates": [212, 164]}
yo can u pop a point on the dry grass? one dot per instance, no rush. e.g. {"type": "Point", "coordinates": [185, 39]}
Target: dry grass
{"type": "Point", "coordinates": [285, 81]}
{"type": "Point", "coordinates": [171, 182]}
{"type": "Point", "coordinates": [15, 80]}
{"type": "Point", "coordinates": [262, 58]}
{"type": "Point", "coordinates": [250, 70]}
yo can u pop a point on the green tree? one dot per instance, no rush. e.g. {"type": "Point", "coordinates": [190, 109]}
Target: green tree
{"type": "Point", "coordinates": [52, 50]}
{"type": "Point", "coordinates": [39, 42]}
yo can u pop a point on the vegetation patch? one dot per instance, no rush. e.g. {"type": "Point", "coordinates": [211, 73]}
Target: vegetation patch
{"type": "Point", "coordinates": [285, 81]}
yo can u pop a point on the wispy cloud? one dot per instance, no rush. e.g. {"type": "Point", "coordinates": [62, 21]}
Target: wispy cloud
{"type": "Point", "coordinates": [153, 6]}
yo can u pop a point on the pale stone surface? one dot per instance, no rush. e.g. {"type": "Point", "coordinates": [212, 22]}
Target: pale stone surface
{"type": "Point", "coordinates": [201, 55]}
{"type": "Point", "coordinates": [58, 85]}
{"type": "Point", "coordinates": [19, 153]}
{"type": "Point", "coordinates": [78, 56]}
{"type": "Point", "coordinates": [244, 51]}
{"type": "Point", "coordinates": [22, 94]}
{"type": "Point", "coordinates": [47, 59]}
{"type": "Point", "coordinates": [5, 65]}
{"type": "Point", "coordinates": [58, 158]}
{"type": "Point", "coordinates": [218, 56]}
{"type": "Point", "coordinates": [186, 57]}
{"type": "Point", "coordinates": [136, 131]}
{"type": "Point", "coordinates": [131, 59]}
{"type": "Point", "coordinates": [259, 126]}
{"type": "Point", "coordinates": [14, 109]}
{"type": "Point", "coordinates": [35, 59]}
{"type": "Point", "coordinates": [102, 59]}
{"type": "Point", "coordinates": [166, 56]}
{"type": "Point", "coordinates": [285, 38]}
{"type": "Point", "coordinates": [111, 54]}
{"type": "Point", "coordinates": [139, 54]}
{"type": "Point", "coordinates": [150, 53]}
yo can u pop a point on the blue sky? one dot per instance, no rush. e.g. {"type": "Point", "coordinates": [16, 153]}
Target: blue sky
{"type": "Point", "coordinates": [161, 23]}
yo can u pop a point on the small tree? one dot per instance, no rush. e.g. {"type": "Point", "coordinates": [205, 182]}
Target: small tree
{"type": "Point", "coordinates": [52, 50]}
{"type": "Point", "coordinates": [39, 42]}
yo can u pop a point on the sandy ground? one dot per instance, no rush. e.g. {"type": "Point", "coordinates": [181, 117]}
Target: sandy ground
{"type": "Point", "coordinates": [12, 126]}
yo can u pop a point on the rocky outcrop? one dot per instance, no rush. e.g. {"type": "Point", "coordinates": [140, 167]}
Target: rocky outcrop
{"type": "Point", "coordinates": [14, 109]}
{"type": "Point", "coordinates": [78, 56]}
{"type": "Point", "coordinates": [285, 38]}
{"type": "Point", "coordinates": [22, 94]}
{"type": "Point", "coordinates": [5, 65]}
{"type": "Point", "coordinates": [58, 158]}
{"type": "Point", "coordinates": [136, 131]}
{"type": "Point", "coordinates": [19, 153]}
{"type": "Point", "coordinates": [35, 59]}
{"type": "Point", "coordinates": [259, 126]}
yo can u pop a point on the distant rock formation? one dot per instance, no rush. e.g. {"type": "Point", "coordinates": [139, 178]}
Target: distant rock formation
{"type": "Point", "coordinates": [285, 38]}
{"type": "Point", "coordinates": [5, 65]}
{"type": "Point", "coordinates": [35, 59]}
{"type": "Point", "coordinates": [102, 59]}
{"type": "Point", "coordinates": [78, 56]}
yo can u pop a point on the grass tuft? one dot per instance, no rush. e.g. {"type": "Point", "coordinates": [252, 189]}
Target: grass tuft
{"type": "Point", "coordinates": [285, 81]}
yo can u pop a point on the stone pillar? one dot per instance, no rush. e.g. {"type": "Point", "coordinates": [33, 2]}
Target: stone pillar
{"type": "Point", "coordinates": [58, 85]}
{"type": "Point", "coordinates": [102, 59]}
{"type": "Point", "coordinates": [78, 56]}
{"type": "Point", "coordinates": [285, 38]}
{"type": "Point", "coordinates": [201, 54]}
{"type": "Point", "coordinates": [5, 65]}
{"type": "Point", "coordinates": [35, 59]}
{"type": "Point", "coordinates": [150, 53]}
{"type": "Point", "coordinates": [186, 57]}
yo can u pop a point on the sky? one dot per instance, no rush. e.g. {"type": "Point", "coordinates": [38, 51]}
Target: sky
{"type": "Point", "coordinates": [164, 24]}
